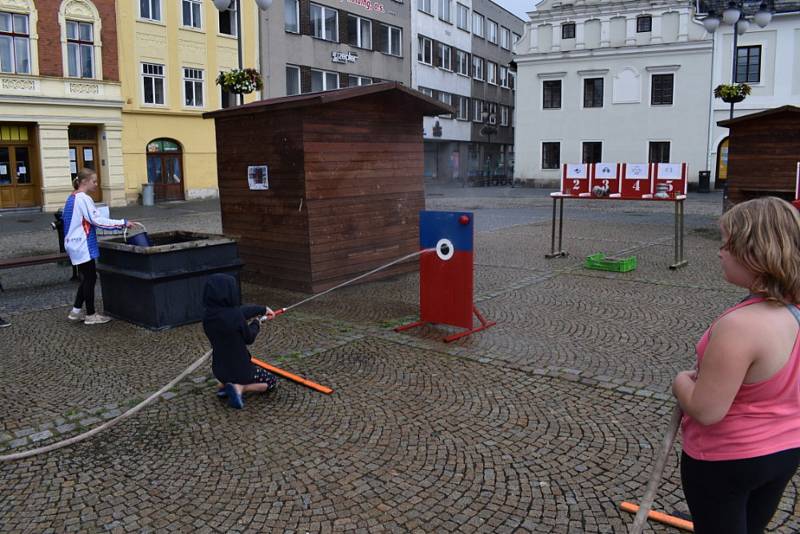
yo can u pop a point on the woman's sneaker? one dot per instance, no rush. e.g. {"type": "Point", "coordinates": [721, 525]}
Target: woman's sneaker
{"type": "Point", "coordinates": [96, 319]}
{"type": "Point", "coordinates": [79, 316]}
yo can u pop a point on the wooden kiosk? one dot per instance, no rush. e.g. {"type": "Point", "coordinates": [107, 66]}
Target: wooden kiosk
{"type": "Point", "coordinates": [763, 154]}
{"type": "Point", "coordinates": [321, 187]}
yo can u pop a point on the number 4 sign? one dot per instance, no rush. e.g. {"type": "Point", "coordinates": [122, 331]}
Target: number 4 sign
{"type": "Point", "coordinates": [575, 179]}
{"type": "Point", "coordinates": [637, 180]}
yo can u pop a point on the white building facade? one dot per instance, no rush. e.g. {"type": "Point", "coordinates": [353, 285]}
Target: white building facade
{"type": "Point", "coordinates": [769, 60]}
{"type": "Point", "coordinates": [612, 81]}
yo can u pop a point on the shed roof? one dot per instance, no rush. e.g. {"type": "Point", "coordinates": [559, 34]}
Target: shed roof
{"type": "Point", "coordinates": [759, 115]}
{"type": "Point", "coordinates": [426, 104]}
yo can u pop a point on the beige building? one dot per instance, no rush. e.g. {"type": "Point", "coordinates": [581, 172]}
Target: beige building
{"type": "Point", "coordinates": [60, 103]}
{"type": "Point", "coordinates": [170, 55]}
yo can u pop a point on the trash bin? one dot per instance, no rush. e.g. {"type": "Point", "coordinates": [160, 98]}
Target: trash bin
{"type": "Point", "coordinates": [148, 197]}
{"type": "Point", "coordinates": [704, 182]}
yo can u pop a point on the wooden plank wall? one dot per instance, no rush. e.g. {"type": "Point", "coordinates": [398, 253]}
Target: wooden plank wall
{"type": "Point", "coordinates": [364, 186]}
{"type": "Point", "coordinates": [763, 157]}
{"type": "Point", "coordinates": [270, 226]}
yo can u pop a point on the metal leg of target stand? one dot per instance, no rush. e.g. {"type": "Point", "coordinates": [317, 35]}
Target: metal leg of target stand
{"type": "Point", "coordinates": [678, 244]}
{"type": "Point", "coordinates": [560, 253]}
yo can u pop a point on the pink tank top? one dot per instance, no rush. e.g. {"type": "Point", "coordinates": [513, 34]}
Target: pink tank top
{"type": "Point", "coordinates": [763, 419]}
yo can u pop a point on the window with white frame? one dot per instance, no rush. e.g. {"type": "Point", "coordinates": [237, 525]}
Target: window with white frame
{"type": "Point", "coordinates": [356, 81]}
{"type": "Point", "coordinates": [227, 21]}
{"type": "Point", "coordinates": [323, 80]}
{"type": "Point", "coordinates": [153, 83]}
{"type": "Point", "coordinates": [391, 40]}
{"type": "Point", "coordinates": [192, 13]}
{"type": "Point", "coordinates": [477, 67]}
{"type": "Point", "coordinates": [359, 32]}
{"type": "Point", "coordinates": [462, 17]}
{"type": "Point", "coordinates": [445, 57]}
{"type": "Point", "coordinates": [425, 6]}
{"type": "Point", "coordinates": [292, 80]}
{"type": "Point", "coordinates": [551, 155]}
{"type": "Point", "coordinates": [491, 72]}
{"type": "Point", "coordinates": [425, 52]}
{"type": "Point", "coordinates": [477, 110]}
{"type": "Point", "coordinates": [150, 9]}
{"type": "Point", "coordinates": [491, 31]}
{"type": "Point", "coordinates": [477, 24]}
{"type": "Point", "coordinates": [426, 91]}
{"type": "Point", "coordinates": [503, 115]}
{"type": "Point", "coordinates": [80, 49]}
{"type": "Point", "coordinates": [503, 76]}
{"type": "Point", "coordinates": [444, 10]}
{"type": "Point", "coordinates": [462, 63]}
{"type": "Point", "coordinates": [15, 55]}
{"type": "Point", "coordinates": [505, 38]}
{"type": "Point", "coordinates": [291, 16]}
{"type": "Point", "coordinates": [463, 108]}
{"type": "Point", "coordinates": [446, 98]}
{"type": "Point", "coordinates": [193, 89]}
{"type": "Point", "coordinates": [324, 22]}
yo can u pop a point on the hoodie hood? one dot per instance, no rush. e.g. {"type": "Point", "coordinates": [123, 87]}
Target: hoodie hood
{"type": "Point", "coordinates": [221, 291]}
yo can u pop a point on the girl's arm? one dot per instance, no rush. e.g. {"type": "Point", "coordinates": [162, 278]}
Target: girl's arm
{"type": "Point", "coordinates": [727, 358]}
{"type": "Point", "coordinates": [250, 331]}
{"type": "Point", "coordinates": [90, 213]}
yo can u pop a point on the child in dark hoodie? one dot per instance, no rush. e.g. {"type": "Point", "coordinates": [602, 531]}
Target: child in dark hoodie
{"type": "Point", "coordinates": [226, 325]}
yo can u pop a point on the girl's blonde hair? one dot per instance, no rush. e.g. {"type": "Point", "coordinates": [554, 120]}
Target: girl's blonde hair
{"type": "Point", "coordinates": [764, 236]}
{"type": "Point", "coordinates": [83, 175]}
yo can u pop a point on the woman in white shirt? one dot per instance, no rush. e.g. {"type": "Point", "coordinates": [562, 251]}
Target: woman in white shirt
{"type": "Point", "coordinates": [81, 217]}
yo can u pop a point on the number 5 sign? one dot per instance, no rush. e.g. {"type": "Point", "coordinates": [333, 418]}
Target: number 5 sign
{"type": "Point", "coordinates": [637, 180]}
{"type": "Point", "coordinates": [672, 178]}
{"type": "Point", "coordinates": [575, 179]}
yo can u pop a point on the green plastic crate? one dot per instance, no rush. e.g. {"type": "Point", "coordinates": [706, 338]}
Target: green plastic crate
{"type": "Point", "coordinates": [600, 262]}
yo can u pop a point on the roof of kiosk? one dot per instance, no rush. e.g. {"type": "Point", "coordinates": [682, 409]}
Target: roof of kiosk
{"type": "Point", "coordinates": [759, 115]}
{"type": "Point", "coordinates": [426, 105]}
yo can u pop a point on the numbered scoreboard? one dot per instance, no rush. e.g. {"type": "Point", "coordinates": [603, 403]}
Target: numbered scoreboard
{"type": "Point", "coordinates": [575, 179]}
{"type": "Point", "coordinates": [637, 180]}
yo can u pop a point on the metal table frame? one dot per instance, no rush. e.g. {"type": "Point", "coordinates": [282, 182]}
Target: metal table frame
{"type": "Point", "coordinates": [558, 199]}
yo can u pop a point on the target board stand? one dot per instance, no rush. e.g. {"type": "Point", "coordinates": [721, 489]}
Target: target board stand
{"type": "Point", "coordinates": [446, 273]}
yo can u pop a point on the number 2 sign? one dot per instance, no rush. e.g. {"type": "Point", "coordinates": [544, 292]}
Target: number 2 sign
{"type": "Point", "coordinates": [575, 179]}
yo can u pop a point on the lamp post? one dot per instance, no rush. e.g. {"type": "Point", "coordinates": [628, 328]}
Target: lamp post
{"type": "Point", "coordinates": [224, 5]}
{"type": "Point", "coordinates": [488, 130]}
{"type": "Point", "coordinates": [734, 15]}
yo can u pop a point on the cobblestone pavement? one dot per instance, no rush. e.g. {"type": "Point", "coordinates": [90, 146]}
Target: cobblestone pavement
{"type": "Point", "coordinates": [543, 423]}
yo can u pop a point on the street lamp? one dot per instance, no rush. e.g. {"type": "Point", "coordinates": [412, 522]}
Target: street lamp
{"type": "Point", "coordinates": [224, 5]}
{"type": "Point", "coordinates": [733, 15]}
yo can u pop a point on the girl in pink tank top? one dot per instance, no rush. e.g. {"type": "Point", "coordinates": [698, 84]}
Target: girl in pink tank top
{"type": "Point", "coordinates": [741, 424]}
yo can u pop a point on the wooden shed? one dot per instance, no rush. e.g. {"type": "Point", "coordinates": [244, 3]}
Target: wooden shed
{"type": "Point", "coordinates": [763, 153]}
{"type": "Point", "coordinates": [321, 187]}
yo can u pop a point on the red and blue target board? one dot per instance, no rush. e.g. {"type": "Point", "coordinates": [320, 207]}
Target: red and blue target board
{"type": "Point", "coordinates": [446, 272]}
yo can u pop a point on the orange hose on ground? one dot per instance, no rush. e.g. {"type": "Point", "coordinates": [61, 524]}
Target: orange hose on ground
{"type": "Point", "coordinates": [670, 520]}
{"type": "Point", "coordinates": [294, 378]}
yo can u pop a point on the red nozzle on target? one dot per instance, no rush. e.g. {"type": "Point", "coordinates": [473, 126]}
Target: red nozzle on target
{"type": "Point", "coordinates": [464, 219]}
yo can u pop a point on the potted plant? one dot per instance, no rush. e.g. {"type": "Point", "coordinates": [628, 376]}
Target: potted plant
{"type": "Point", "coordinates": [732, 92]}
{"type": "Point", "coordinates": [240, 81]}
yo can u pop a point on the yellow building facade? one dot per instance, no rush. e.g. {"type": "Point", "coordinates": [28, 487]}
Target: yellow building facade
{"type": "Point", "coordinates": [170, 54]}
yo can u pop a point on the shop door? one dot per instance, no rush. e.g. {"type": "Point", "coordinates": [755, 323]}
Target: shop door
{"type": "Point", "coordinates": [17, 189]}
{"type": "Point", "coordinates": [165, 169]}
{"type": "Point", "coordinates": [84, 156]}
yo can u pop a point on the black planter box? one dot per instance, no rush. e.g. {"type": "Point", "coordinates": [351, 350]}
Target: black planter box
{"type": "Point", "coordinates": [161, 286]}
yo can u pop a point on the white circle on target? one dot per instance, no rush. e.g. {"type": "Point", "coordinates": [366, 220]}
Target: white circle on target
{"type": "Point", "coordinates": [445, 249]}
